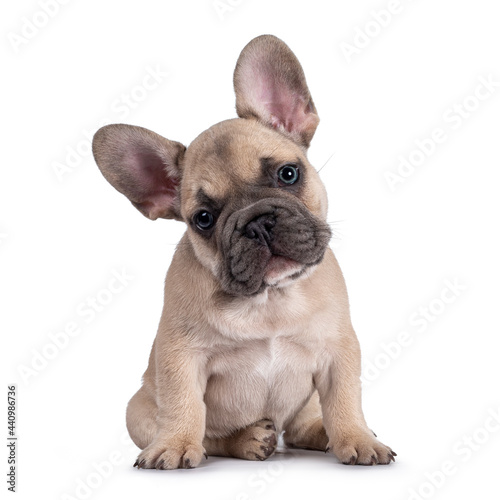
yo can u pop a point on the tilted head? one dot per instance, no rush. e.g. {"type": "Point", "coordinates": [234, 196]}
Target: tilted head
{"type": "Point", "coordinates": [254, 206]}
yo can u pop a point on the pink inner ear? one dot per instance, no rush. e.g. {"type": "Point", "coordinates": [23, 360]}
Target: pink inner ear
{"type": "Point", "coordinates": [155, 190]}
{"type": "Point", "coordinates": [284, 108]}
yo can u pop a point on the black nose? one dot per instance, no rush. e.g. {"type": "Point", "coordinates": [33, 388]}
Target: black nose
{"type": "Point", "coordinates": [260, 229]}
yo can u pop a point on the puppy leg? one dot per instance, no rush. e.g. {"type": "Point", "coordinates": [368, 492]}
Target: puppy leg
{"type": "Point", "coordinates": [180, 421]}
{"type": "Point", "coordinates": [306, 430]}
{"type": "Point", "coordinates": [141, 418]}
{"type": "Point", "coordinates": [255, 442]}
{"type": "Point", "coordinates": [339, 388]}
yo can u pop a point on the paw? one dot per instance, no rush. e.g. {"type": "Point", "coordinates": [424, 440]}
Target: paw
{"type": "Point", "coordinates": [361, 449]}
{"type": "Point", "coordinates": [170, 454]}
{"type": "Point", "coordinates": [256, 442]}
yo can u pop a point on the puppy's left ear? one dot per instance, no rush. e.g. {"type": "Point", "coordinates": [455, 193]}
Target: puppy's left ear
{"type": "Point", "coordinates": [270, 85]}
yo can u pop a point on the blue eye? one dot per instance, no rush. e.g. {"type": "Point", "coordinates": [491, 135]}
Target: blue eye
{"type": "Point", "coordinates": [204, 220]}
{"type": "Point", "coordinates": [288, 174]}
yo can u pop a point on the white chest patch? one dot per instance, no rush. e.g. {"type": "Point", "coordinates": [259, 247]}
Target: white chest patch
{"type": "Point", "coordinates": [266, 365]}
{"type": "Point", "coordinates": [260, 378]}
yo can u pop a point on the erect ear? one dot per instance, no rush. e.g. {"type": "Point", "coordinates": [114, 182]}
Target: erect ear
{"type": "Point", "coordinates": [270, 85]}
{"type": "Point", "coordinates": [143, 166]}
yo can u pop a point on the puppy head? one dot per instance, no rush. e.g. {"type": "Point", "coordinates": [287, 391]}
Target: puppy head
{"type": "Point", "coordinates": [254, 206]}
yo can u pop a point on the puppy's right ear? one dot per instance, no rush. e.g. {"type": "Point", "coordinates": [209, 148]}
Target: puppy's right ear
{"type": "Point", "coordinates": [143, 166]}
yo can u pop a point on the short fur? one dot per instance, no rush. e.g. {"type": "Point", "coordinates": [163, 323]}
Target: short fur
{"type": "Point", "coordinates": [255, 337]}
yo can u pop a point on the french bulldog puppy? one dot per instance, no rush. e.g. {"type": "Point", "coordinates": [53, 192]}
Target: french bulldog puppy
{"type": "Point", "coordinates": [255, 336]}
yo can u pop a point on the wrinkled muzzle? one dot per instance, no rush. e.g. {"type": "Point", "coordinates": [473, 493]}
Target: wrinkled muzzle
{"type": "Point", "coordinates": [266, 235]}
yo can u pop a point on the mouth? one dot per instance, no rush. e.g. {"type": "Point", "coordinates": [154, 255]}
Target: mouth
{"type": "Point", "coordinates": [280, 268]}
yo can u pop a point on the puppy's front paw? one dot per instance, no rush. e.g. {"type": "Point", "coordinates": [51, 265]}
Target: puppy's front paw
{"type": "Point", "coordinates": [361, 449]}
{"type": "Point", "coordinates": [170, 454]}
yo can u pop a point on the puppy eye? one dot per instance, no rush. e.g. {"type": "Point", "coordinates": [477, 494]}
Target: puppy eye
{"type": "Point", "coordinates": [288, 174]}
{"type": "Point", "coordinates": [204, 220]}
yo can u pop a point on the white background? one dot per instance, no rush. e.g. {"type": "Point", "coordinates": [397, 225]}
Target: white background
{"type": "Point", "coordinates": [63, 236]}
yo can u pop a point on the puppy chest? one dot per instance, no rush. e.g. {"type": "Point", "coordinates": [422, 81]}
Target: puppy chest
{"type": "Point", "coordinates": [265, 377]}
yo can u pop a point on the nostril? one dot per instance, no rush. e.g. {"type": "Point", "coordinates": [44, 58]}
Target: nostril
{"type": "Point", "coordinates": [251, 230]}
{"type": "Point", "coordinates": [269, 224]}
{"type": "Point", "coordinates": [259, 229]}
